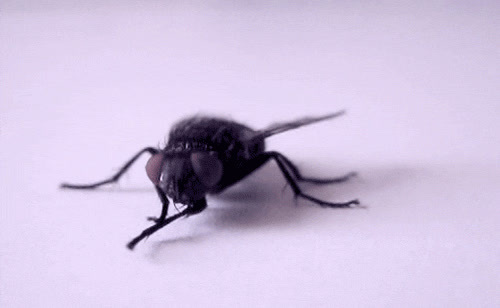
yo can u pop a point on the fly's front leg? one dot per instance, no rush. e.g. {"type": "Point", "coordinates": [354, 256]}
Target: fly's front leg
{"type": "Point", "coordinates": [164, 206]}
{"type": "Point", "coordinates": [147, 232]}
{"type": "Point", "coordinates": [115, 177]}
{"type": "Point", "coordinates": [195, 208]}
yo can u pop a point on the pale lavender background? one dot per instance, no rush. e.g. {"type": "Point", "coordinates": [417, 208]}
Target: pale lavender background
{"type": "Point", "coordinates": [84, 86]}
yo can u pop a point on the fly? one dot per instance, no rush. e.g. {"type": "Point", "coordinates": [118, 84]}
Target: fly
{"type": "Point", "coordinates": [206, 155]}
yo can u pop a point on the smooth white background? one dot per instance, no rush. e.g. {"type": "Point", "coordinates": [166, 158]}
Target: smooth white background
{"type": "Point", "coordinates": [85, 86]}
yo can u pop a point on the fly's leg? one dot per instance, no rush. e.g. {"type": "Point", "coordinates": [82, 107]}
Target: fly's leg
{"type": "Point", "coordinates": [164, 206]}
{"type": "Point", "coordinates": [147, 232]}
{"type": "Point", "coordinates": [254, 163]}
{"type": "Point", "coordinates": [278, 157]}
{"type": "Point", "coordinates": [115, 177]}
{"type": "Point", "coordinates": [298, 176]}
{"type": "Point", "coordinates": [196, 208]}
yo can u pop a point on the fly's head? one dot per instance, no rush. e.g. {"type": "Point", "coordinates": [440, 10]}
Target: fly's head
{"type": "Point", "coordinates": [185, 177]}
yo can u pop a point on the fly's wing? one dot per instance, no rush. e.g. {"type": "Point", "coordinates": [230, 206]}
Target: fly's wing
{"type": "Point", "coordinates": [284, 126]}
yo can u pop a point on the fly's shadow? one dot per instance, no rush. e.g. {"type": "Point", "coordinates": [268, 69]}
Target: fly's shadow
{"type": "Point", "coordinates": [260, 202]}
{"type": "Point", "coordinates": [264, 199]}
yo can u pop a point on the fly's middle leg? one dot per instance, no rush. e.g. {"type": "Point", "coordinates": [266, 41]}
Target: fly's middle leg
{"type": "Point", "coordinates": [115, 177]}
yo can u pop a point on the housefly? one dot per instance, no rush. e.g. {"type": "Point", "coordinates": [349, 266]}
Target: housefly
{"type": "Point", "coordinates": [206, 155]}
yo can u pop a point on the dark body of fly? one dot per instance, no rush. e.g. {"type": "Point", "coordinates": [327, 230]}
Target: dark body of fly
{"type": "Point", "coordinates": [234, 143]}
{"type": "Point", "coordinates": [205, 155]}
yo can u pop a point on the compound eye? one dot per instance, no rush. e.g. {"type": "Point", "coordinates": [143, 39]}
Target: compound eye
{"type": "Point", "coordinates": [153, 168]}
{"type": "Point", "coordinates": [207, 167]}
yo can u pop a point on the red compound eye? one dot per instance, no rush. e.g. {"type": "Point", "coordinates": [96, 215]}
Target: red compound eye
{"type": "Point", "coordinates": [207, 167]}
{"type": "Point", "coordinates": [153, 168]}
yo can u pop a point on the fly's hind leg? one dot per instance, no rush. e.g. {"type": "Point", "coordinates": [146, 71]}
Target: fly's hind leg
{"type": "Point", "coordinates": [299, 177]}
{"type": "Point", "coordinates": [256, 162]}
{"type": "Point", "coordinates": [283, 163]}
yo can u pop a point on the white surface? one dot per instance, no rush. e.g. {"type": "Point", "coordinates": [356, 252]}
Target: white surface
{"type": "Point", "coordinates": [83, 87]}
